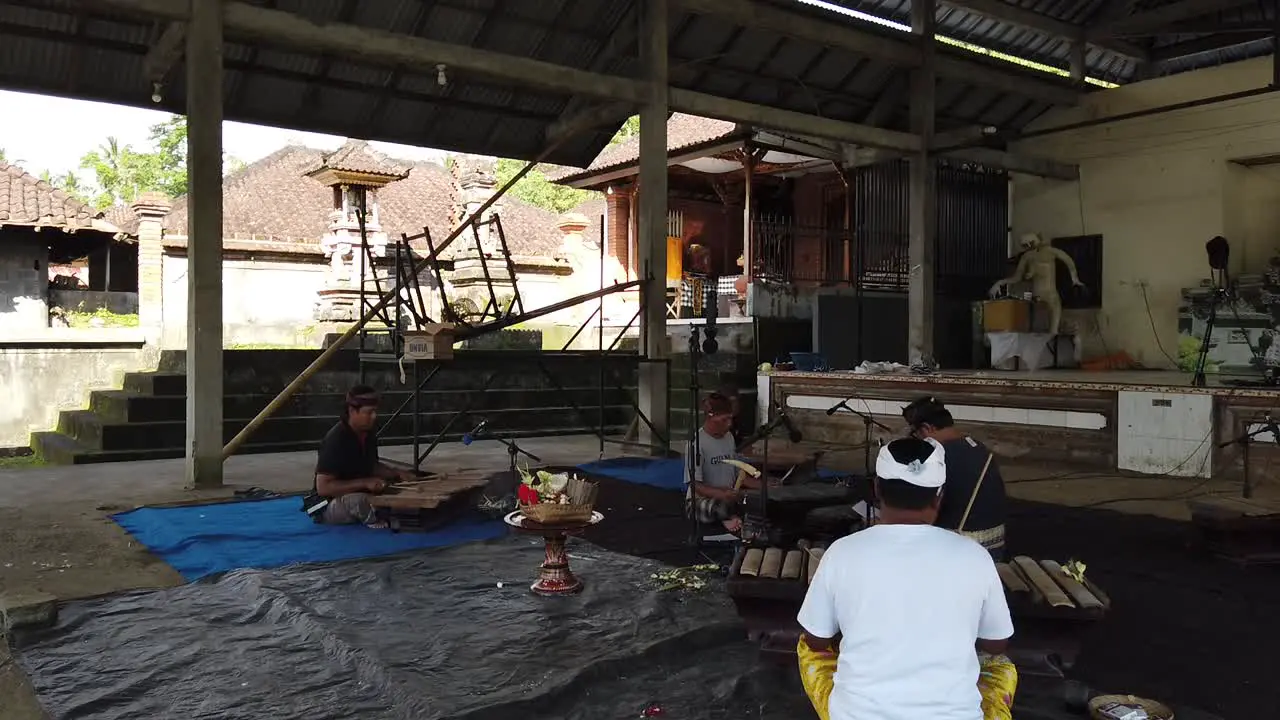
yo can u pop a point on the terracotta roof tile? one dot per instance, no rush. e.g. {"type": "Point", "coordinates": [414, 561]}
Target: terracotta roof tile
{"type": "Point", "coordinates": [122, 217]}
{"type": "Point", "coordinates": [682, 131]}
{"type": "Point", "coordinates": [27, 200]}
{"type": "Point", "coordinates": [274, 201]}
{"type": "Point", "coordinates": [357, 156]}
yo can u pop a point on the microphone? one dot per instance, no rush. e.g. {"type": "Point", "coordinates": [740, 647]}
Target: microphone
{"type": "Point", "coordinates": [468, 438]}
{"type": "Point", "coordinates": [835, 408]}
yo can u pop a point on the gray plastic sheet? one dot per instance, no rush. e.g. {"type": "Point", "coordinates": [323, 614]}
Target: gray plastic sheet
{"type": "Point", "coordinates": [423, 636]}
{"type": "Point", "coordinates": [430, 635]}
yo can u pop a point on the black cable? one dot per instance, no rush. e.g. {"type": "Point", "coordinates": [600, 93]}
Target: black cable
{"type": "Point", "coordinates": [1156, 333]}
{"type": "Point", "coordinates": [1188, 493]}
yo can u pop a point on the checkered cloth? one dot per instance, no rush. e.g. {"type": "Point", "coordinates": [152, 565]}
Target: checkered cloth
{"type": "Point", "coordinates": [724, 287]}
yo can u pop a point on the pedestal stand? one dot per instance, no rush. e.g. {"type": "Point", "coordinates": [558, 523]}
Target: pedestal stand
{"type": "Point", "coordinates": [555, 577]}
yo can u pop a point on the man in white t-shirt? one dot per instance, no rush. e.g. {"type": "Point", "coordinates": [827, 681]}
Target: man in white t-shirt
{"type": "Point", "coordinates": [902, 611]}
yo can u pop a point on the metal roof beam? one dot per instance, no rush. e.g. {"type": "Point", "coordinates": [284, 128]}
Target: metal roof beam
{"type": "Point", "coordinates": [378, 47]}
{"type": "Point", "coordinates": [165, 54]}
{"type": "Point", "coordinates": [838, 32]}
{"type": "Point", "coordinates": [989, 157]}
{"type": "Point", "coordinates": [1039, 22]}
{"type": "Point", "coordinates": [1162, 17]}
{"type": "Point", "coordinates": [1207, 43]}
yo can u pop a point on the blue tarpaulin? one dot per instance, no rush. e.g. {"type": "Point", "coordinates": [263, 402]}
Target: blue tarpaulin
{"type": "Point", "coordinates": [203, 540]}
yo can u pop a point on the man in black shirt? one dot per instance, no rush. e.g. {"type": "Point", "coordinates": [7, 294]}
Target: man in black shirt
{"type": "Point", "coordinates": [967, 508]}
{"type": "Point", "coordinates": [348, 470]}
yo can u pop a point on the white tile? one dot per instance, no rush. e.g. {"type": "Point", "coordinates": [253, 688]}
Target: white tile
{"type": "Point", "coordinates": [1011, 416]}
{"type": "Point", "coordinates": [973, 413]}
{"type": "Point", "coordinates": [1085, 421]}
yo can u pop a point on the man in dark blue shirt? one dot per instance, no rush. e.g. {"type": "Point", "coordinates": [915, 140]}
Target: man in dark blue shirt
{"type": "Point", "coordinates": [977, 511]}
{"type": "Point", "coordinates": [348, 470]}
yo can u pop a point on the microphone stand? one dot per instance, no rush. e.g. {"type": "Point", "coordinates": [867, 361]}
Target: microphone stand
{"type": "Point", "coordinates": [514, 450]}
{"type": "Point", "coordinates": [694, 459]}
{"type": "Point", "coordinates": [1245, 440]}
{"type": "Point", "coordinates": [868, 422]}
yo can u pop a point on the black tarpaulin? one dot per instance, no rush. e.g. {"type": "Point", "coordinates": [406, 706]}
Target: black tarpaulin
{"type": "Point", "coordinates": [426, 636]}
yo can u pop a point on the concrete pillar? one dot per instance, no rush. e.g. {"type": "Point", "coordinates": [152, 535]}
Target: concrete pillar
{"type": "Point", "coordinates": [1077, 60]}
{"type": "Point", "coordinates": [151, 209]}
{"type": "Point", "coordinates": [923, 190]}
{"type": "Point", "coordinates": [654, 396]}
{"type": "Point", "coordinates": [618, 231]}
{"type": "Point", "coordinates": [204, 245]}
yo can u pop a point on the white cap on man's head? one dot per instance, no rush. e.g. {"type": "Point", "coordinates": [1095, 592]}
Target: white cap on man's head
{"type": "Point", "coordinates": [928, 473]}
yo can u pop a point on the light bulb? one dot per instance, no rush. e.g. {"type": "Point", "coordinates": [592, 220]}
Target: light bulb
{"type": "Point", "coordinates": [156, 97]}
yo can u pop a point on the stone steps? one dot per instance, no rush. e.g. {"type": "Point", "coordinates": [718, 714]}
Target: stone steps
{"type": "Point", "coordinates": [125, 406]}
{"type": "Point", "coordinates": [58, 449]}
{"type": "Point", "coordinates": [146, 418]}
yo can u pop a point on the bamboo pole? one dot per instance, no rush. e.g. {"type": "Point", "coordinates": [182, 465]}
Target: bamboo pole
{"type": "Point", "coordinates": [324, 358]}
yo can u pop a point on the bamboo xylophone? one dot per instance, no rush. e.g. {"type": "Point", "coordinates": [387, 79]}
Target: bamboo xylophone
{"type": "Point", "coordinates": [1033, 588]}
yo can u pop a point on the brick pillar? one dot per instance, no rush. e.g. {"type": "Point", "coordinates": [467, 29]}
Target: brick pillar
{"type": "Point", "coordinates": [618, 231]}
{"type": "Point", "coordinates": [150, 208]}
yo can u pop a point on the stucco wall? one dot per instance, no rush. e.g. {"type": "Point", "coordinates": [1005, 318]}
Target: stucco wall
{"type": "Point", "coordinates": [23, 282]}
{"type": "Point", "coordinates": [263, 301]}
{"type": "Point", "coordinates": [38, 381]}
{"type": "Point", "coordinates": [1157, 188]}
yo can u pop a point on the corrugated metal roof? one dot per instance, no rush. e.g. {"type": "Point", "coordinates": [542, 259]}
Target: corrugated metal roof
{"type": "Point", "coordinates": [59, 47]}
{"type": "Point", "coordinates": [1040, 47]}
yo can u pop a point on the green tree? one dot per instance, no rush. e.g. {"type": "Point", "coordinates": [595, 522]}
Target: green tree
{"type": "Point", "coordinates": [535, 189]}
{"type": "Point", "coordinates": [629, 129]}
{"type": "Point", "coordinates": [120, 173]}
{"type": "Point", "coordinates": [170, 157]}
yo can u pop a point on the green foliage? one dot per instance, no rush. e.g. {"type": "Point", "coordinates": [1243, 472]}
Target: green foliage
{"type": "Point", "coordinates": [630, 129]}
{"type": "Point", "coordinates": [1189, 354]}
{"type": "Point", "coordinates": [535, 189]}
{"type": "Point", "coordinates": [100, 318]}
{"type": "Point", "coordinates": [121, 172]}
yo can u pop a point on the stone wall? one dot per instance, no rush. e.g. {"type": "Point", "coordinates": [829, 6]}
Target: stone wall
{"type": "Point", "coordinates": [24, 282]}
{"type": "Point", "coordinates": [39, 380]}
{"type": "Point", "coordinates": [264, 302]}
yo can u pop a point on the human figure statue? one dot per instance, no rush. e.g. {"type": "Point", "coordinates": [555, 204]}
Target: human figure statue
{"type": "Point", "coordinates": [1039, 265]}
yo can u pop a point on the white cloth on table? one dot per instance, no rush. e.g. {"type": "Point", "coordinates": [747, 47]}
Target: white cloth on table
{"type": "Point", "coordinates": [1031, 349]}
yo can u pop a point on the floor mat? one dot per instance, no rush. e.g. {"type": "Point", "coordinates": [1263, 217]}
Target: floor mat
{"type": "Point", "coordinates": [203, 540]}
{"type": "Point", "coordinates": [665, 473]}
{"type": "Point", "coordinates": [449, 633]}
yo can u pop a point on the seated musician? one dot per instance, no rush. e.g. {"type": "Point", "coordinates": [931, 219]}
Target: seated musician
{"type": "Point", "coordinates": [714, 495]}
{"type": "Point", "coordinates": [348, 470]}
{"type": "Point", "coordinates": [730, 391]}
{"type": "Point", "coordinates": [905, 620]}
{"type": "Point", "coordinates": [975, 511]}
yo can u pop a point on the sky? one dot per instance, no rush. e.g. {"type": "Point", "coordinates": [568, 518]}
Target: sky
{"type": "Point", "coordinates": [47, 133]}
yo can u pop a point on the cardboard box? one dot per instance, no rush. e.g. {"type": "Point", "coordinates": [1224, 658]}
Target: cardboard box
{"type": "Point", "coordinates": [433, 342]}
{"type": "Point", "coordinates": [1006, 316]}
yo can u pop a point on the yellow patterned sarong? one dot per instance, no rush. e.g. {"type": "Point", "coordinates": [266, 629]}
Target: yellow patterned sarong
{"type": "Point", "coordinates": [997, 681]}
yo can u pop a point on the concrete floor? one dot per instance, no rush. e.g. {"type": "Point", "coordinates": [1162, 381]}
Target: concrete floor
{"type": "Point", "coordinates": [55, 534]}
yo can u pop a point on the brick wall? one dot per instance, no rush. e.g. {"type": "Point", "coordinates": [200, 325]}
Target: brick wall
{"type": "Point", "coordinates": [619, 226]}
{"type": "Point", "coordinates": [151, 209]}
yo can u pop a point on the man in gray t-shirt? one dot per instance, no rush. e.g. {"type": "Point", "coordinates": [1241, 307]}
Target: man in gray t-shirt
{"type": "Point", "coordinates": [713, 497]}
